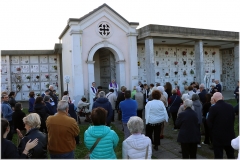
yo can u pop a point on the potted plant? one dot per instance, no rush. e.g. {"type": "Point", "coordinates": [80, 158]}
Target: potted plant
{"type": "Point", "coordinates": [213, 53]}
{"type": "Point", "coordinates": [28, 77]}
{"type": "Point", "coordinates": [47, 76]}
{"type": "Point", "coordinates": [18, 69]}
{"type": "Point", "coordinates": [175, 62]}
{"type": "Point", "coordinates": [37, 77]}
{"type": "Point", "coordinates": [213, 71]}
{"type": "Point", "coordinates": [191, 53]}
{"type": "Point", "coordinates": [166, 52]}
{"type": "Point", "coordinates": [184, 53]}
{"type": "Point", "coordinates": [191, 72]}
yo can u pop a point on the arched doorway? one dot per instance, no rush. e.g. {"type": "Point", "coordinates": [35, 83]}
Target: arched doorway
{"type": "Point", "coordinates": [104, 68]}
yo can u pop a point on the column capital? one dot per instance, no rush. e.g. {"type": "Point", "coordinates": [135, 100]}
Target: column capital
{"type": "Point", "coordinates": [132, 34]}
{"type": "Point", "coordinates": [90, 62]}
{"type": "Point", "coordinates": [149, 37]}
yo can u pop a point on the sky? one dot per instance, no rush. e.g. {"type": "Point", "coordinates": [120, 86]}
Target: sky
{"type": "Point", "coordinates": [37, 24]}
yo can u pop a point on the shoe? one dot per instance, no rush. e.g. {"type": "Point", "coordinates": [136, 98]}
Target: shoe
{"type": "Point", "coordinates": [204, 143]}
{"type": "Point", "coordinates": [199, 146]}
{"type": "Point", "coordinates": [156, 148]}
{"type": "Point", "coordinates": [161, 137]}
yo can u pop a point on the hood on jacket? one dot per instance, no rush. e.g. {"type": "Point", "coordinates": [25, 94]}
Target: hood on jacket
{"type": "Point", "coordinates": [102, 100]}
{"type": "Point", "coordinates": [137, 142]}
{"type": "Point", "coordinates": [98, 131]}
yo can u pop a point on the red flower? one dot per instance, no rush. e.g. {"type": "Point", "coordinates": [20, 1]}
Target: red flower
{"type": "Point", "coordinates": [184, 53]}
{"type": "Point", "coordinates": [213, 53]}
{"type": "Point", "coordinates": [166, 52]}
{"type": "Point", "coordinates": [206, 52]}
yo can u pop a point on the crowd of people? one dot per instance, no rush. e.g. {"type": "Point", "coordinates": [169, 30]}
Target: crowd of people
{"type": "Point", "coordinates": [51, 126]}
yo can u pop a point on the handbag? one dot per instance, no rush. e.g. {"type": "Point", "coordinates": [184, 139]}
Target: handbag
{"type": "Point", "coordinates": [92, 148]}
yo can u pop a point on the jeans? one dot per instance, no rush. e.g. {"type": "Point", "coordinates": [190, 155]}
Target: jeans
{"type": "Point", "coordinates": [69, 155]}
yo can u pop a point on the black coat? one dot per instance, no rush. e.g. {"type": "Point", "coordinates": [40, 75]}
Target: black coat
{"type": "Point", "coordinates": [10, 151]}
{"type": "Point", "coordinates": [175, 102]}
{"type": "Point", "coordinates": [12, 101]}
{"type": "Point", "coordinates": [221, 123]}
{"type": "Point", "coordinates": [41, 110]}
{"type": "Point", "coordinates": [202, 96]}
{"type": "Point", "coordinates": [205, 109]}
{"type": "Point", "coordinates": [40, 150]}
{"type": "Point", "coordinates": [71, 111]}
{"type": "Point", "coordinates": [120, 98]}
{"type": "Point", "coordinates": [187, 121]}
{"type": "Point", "coordinates": [17, 119]}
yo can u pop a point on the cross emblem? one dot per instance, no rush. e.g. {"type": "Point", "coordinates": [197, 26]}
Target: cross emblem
{"type": "Point", "coordinates": [104, 29]}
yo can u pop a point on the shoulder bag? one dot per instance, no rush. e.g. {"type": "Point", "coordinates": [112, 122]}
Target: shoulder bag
{"type": "Point", "coordinates": [92, 148]}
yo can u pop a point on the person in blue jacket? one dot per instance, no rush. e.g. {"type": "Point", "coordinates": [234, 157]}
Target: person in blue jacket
{"type": "Point", "coordinates": [108, 138]}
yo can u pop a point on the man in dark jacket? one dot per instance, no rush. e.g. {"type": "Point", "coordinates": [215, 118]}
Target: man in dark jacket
{"type": "Point", "coordinates": [189, 132]}
{"type": "Point", "coordinates": [221, 124]}
{"type": "Point", "coordinates": [120, 98]}
{"type": "Point", "coordinates": [202, 94]}
{"type": "Point", "coordinates": [103, 102]}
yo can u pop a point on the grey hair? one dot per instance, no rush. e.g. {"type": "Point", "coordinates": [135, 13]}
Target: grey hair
{"type": "Point", "coordinates": [65, 98]}
{"type": "Point", "coordinates": [50, 86]}
{"type": "Point", "coordinates": [188, 103]}
{"type": "Point", "coordinates": [195, 97]}
{"type": "Point", "coordinates": [33, 120]}
{"type": "Point", "coordinates": [202, 86]}
{"type": "Point", "coordinates": [62, 105]}
{"type": "Point", "coordinates": [135, 124]}
{"type": "Point", "coordinates": [185, 96]}
{"type": "Point", "coordinates": [101, 94]}
{"type": "Point", "coordinates": [46, 98]}
{"type": "Point", "coordinates": [161, 89]}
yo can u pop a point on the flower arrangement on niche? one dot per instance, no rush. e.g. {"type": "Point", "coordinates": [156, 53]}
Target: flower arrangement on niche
{"type": "Point", "coordinates": [206, 53]}
{"type": "Point", "coordinates": [166, 52]}
{"type": "Point", "coordinates": [184, 53]}
{"type": "Point", "coordinates": [157, 62]}
{"type": "Point", "coordinates": [18, 78]}
{"type": "Point", "coordinates": [191, 72]}
{"type": "Point", "coordinates": [191, 53]}
{"type": "Point", "coordinates": [213, 71]}
{"type": "Point", "coordinates": [176, 82]}
{"type": "Point", "coordinates": [56, 76]}
{"type": "Point", "coordinates": [157, 73]}
{"type": "Point", "coordinates": [184, 73]}
{"type": "Point", "coordinates": [38, 94]}
{"type": "Point", "coordinates": [47, 76]}
{"type": "Point", "coordinates": [175, 62]}
{"type": "Point", "coordinates": [37, 77]}
{"type": "Point", "coordinates": [55, 67]}
{"type": "Point", "coordinates": [28, 77]}
{"type": "Point", "coordinates": [55, 59]}
{"type": "Point", "coordinates": [19, 87]}
{"type": "Point", "coordinates": [206, 71]}
{"type": "Point", "coordinates": [138, 63]}
{"type": "Point", "coordinates": [166, 74]}
{"type": "Point", "coordinates": [47, 85]}
{"type": "Point", "coordinates": [176, 72]}
{"type": "Point", "coordinates": [18, 69]}
{"type": "Point", "coordinates": [191, 62]}
{"type": "Point", "coordinates": [184, 62]}
{"type": "Point", "coordinates": [184, 83]}
{"type": "Point", "coordinates": [213, 53]}
{"type": "Point", "coordinates": [56, 84]}
{"type": "Point", "coordinates": [28, 86]}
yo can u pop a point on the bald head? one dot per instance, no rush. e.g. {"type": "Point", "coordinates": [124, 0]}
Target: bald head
{"type": "Point", "coordinates": [217, 96]}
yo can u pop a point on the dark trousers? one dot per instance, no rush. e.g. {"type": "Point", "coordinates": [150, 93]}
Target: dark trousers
{"type": "Point", "coordinates": [207, 139]}
{"type": "Point", "coordinates": [139, 113]}
{"type": "Point", "coordinates": [156, 129]}
{"type": "Point", "coordinates": [189, 150]}
{"type": "Point", "coordinates": [174, 117]}
{"type": "Point", "coordinates": [119, 115]}
{"type": "Point", "coordinates": [77, 139]}
{"type": "Point", "coordinates": [218, 152]}
{"type": "Point", "coordinates": [113, 115]}
{"type": "Point", "coordinates": [10, 134]}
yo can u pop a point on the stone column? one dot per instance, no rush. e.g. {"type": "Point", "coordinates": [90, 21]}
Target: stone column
{"type": "Point", "coordinates": [236, 61]}
{"type": "Point", "coordinates": [90, 79]}
{"type": "Point", "coordinates": [120, 68]}
{"type": "Point", "coordinates": [149, 58]}
{"type": "Point", "coordinates": [199, 61]}
{"type": "Point", "coordinates": [132, 53]}
{"type": "Point", "coordinates": [77, 67]}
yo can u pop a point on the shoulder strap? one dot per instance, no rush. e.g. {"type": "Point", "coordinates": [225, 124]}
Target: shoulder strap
{"type": "Point", "coordinates": [94, 145]}
{"type": "Point", "coordinates": [146, 156]}
{"type": "Point", "coordinates": [109, 95]}
{"type": "Point", "coordinates": [174, 101]}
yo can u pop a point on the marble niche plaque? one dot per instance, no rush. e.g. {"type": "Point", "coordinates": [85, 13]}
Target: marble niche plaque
{"type": "Point", "coordinates": [14, 68]}
{"type": "Point", "coordinates": [25, 69]}
{"type": "Point", "coordinates": [44, 85]}
{"type": "Point", "coordinates": [18, 96]}
{"type": "Point", "coordinates": [24, 77]}
{"type": "Point", "coordinates": [33, 59]}
{"type": "Point", "coordinates": [51, 68]}
{"type": "Point", "coordinates": [34, 77]}
{"type": "Point", "coordinates": [53, 77]}
{"type": "Point", "coordinates": [43, 76]}
{"type": "Point", "coordinates": [34, 68]}
{"type": "Point", "coordinates": [43, 68]}
{"type": "Point", "coordinates": [25, 95]}
{"type": "Point", "coordinates": [43, 59]}
{"type": "Point", "coordinates": [52, 59]}
{"type": "Point", "coordinates": [35, 86]}
{"type": "Point", "coordinates": [4, 79]}
{"type": "Point", "coordinates": [4, 87]}
{"type": "Point", "coordinates": [3, 69]}
{"type": "Point", "coordinates": [14, 60]}
{"type": "Point", "coordinates": [26, 87]}
{"type": "Point", "coordinates": [24, 59]}
{"type": "Point", "coordinates": [3, 60]}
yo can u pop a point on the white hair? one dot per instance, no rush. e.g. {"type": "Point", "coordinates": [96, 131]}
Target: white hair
{"type": "Point", "coordinates": [188, 103]}
{"type": "Point", "coordinates": [202, 86]}
{"type": "Point", "coordinates": [50, 86]}
{"type": "Point", "coordinates": [101, 94]}
{"type": "Point", "coordinates": [161, 89]}
{"type": "Point", "coordinates": [135, 124]}
{"type": "Point", "coordinates": [185, 96]}
{"type": "Point", "coordinates": [62, 105]}
{"type": "Point", "coordinates": [65, 98]}
{"type": "Point", "coordinates": [33, 120]}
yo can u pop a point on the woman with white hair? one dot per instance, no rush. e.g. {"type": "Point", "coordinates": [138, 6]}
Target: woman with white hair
{"type": "Point", "coordinates": [139, 97]}
{"type": "Point", "coordinates": [184, 97]}
{"type": "Point", "coordinates": [32, 124]}
{"type": "Point", "coordinates": [136, 146]}
{"type": "Point", "coordinates": [189, 131]}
